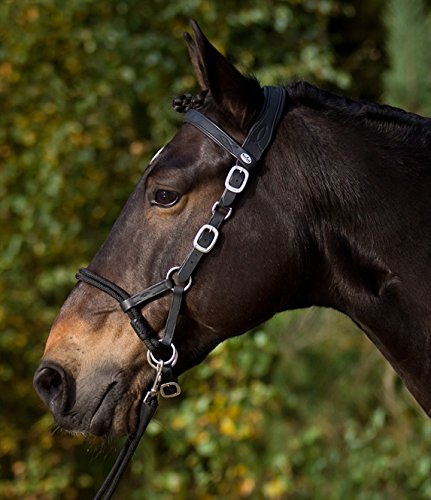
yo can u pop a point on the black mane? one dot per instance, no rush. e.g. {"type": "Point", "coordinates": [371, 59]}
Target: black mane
{"type": "Point", "coordinates": [386, 119]}
{"type": "Point", "coordinates": [372, 114]}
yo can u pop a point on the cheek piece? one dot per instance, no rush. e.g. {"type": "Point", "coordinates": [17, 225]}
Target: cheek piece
{"type": "Point", "coordinates": [161, 352]}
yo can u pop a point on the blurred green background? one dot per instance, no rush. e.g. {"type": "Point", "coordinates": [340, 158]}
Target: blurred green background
{"type": "Point", "coordinates": [303, 407]}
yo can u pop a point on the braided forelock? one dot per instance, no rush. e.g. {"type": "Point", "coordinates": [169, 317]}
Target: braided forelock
{"type": "Point", "coordinates": [185, 102]}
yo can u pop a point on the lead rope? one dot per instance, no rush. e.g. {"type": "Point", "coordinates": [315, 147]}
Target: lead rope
{"type": "Point", "coordinates": [165, 382]}
{"type": "Point", "coordinates": [111, 482]}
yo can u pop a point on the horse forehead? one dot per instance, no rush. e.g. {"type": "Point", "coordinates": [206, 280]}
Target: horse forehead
{"type": "Point", "coordinates": [188, 152]}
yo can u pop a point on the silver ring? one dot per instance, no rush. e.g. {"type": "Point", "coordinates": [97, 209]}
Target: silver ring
{"type": "Point", "coordinates": [154, 363]}
{"type": "Point", "coordinates": [171, 271]}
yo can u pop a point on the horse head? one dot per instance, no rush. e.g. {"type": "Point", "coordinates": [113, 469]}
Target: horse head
{"type": "Point", "coordinates": [331, 218]}
{"type": "Point", "coordinates": [94, 368]}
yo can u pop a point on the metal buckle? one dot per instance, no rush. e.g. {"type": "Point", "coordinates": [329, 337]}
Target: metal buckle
{"type": "Point", "coordinates": [216, 206]}
{"type": "Point", "coordinates": [170, 389]}
{"type": "Point", "coordinates": [232, 171]}
{"type": "Point", "coordinates": [211, 229]}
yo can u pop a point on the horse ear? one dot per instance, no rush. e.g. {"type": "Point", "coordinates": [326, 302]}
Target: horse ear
{"type": "Point", "coordinates": [239, 95]}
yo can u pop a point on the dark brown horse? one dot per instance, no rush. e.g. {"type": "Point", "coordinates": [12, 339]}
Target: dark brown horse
{"type": "Point", "coordinates": [337, 214]}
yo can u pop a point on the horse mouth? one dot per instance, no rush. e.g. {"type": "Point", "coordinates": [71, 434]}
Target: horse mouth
{"type": "Point", "coordinates": [116, 413]}
{"type": "Point", "coordinates": [101, 420]}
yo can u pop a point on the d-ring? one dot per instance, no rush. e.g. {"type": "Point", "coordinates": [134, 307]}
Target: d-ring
{"type": "Point", "coordinates": [171, 271]}
{"type": "Point", "coordinates": [154, 363]}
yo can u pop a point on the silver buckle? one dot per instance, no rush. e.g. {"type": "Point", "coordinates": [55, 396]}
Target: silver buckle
{"type": "Point", "coordinates": [211, 229]}
{"type": "Point", "coordinates": [232, 171]}
{"type": "Point", "coordinates": [170, 390]}
{"type": "Point", "coordinates": [215, 208]}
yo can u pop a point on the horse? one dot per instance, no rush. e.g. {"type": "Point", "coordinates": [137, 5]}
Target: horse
{"type": "Point", "coordinates": [336, 214]}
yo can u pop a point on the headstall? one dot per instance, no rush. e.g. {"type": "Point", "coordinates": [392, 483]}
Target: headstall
{"type": "Point", "coordinates": [179, 279]}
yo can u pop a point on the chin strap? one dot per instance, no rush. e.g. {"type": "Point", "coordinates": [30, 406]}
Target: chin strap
{"type": "Point", "coordinates": [161, 352]}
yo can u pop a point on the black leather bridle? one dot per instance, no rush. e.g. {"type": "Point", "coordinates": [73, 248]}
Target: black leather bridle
{"type": "Point", "coordinates": [161, 352]}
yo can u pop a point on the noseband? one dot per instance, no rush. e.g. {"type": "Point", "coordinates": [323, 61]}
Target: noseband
{"type": "Point", "coordinates": [161, 352]}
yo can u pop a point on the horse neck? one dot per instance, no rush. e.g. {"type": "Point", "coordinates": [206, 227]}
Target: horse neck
{"type": "Point", "coordinates": [363, 209]}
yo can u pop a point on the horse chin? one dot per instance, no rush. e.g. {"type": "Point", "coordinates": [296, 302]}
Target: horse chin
{"type": "Point", "coordinates": [125, 420]}
{"type": "Point", "coordinates": [114, 413]}
{"type": "Point", "coordinates": [115, 417]}
{"type": "Point", "coordinates": [107, 421]}
{"type": "Point", "coordinates": [103, 415]}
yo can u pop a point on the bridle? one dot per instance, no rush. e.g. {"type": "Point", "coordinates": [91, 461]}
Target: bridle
{"type": "Point", "coordinates": [161, 352]}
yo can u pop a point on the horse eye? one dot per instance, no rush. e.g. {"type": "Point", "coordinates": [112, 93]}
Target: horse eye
{"type": "Point", "coordinates": [165, 198]}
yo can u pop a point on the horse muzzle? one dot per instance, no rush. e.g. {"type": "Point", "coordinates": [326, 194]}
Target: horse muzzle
{"type": "Point", "coordinates": [100, 404]}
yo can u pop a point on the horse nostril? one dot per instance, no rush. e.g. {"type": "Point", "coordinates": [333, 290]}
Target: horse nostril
{"type": "Point", "coordinates": [50, 383]}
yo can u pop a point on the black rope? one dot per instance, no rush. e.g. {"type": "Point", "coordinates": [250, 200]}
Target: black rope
{"type": "Point", "coordinates": [111, 482]}
{"type": "Point", "coordinates": [103, 284]}
{"type": "Point", "coordinates": [137, 320]}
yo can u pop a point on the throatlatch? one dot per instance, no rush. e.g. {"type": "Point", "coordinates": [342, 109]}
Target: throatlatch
{"type": "Point", "coordinates": [162, 354]}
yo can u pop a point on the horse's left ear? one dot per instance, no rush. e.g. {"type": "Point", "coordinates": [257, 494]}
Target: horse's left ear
{"type": "Point", "coordinates": [231, 90]}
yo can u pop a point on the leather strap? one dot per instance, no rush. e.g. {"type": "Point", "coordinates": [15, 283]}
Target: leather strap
{"type": "Point", "coordinates": [194, 257]}
{"type": "Point", "coordinates": [262, 131]}
{"type": "Point", "coordinates": [110, 484]}
{"type": "Point", "coordinates": [254, 146]}
{"type": "Point", "coordinates": [247, 155]}
{"type": "Point", "coordinates": [153, 291]}
{"type": "Point", "coordinates": [174, 311]}
{"type": "Point", "coordinates": [216, 134]}
{"type": "Point", "coordinates": [259, 136]}
{"type": "Point", "coordinates": [137, 320]}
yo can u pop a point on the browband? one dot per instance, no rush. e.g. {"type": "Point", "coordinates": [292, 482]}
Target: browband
{"type": "Point", "coordinates": [259, 136]}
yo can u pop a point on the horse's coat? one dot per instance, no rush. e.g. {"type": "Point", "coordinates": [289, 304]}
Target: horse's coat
{"type": "Point", "coordinates": [338, 215]}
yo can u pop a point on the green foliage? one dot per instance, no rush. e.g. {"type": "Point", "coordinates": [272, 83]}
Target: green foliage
{"type": "Point", "coordinates": [301, 408]}
{"type": "Point", "coordinates": [408, 81]}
